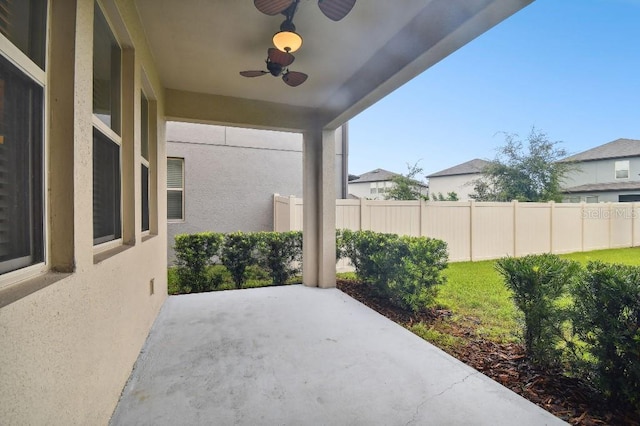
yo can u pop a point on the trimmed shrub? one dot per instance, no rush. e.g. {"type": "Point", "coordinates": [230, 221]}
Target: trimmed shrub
{"type": "Point", "coordinates": [607, 316]}
{"type": "Point", "coordinates": [238, 252]}
{"type": "Point", "coordinates": [404, 270]}
{"type": "Point", "coordinates": [376, 257]}
{"type": "Point", "coordinates": [194, 253]}
{"type": "Point", "coordinates": [415, 287]}
{"type": "Point", "coordinates": [538, 282]}
{"type": "Point", "coordinates": [280, 254]}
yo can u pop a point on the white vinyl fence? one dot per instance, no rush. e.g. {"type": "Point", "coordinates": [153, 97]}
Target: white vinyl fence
{"type": "Point", "coordinates": [478, 230]}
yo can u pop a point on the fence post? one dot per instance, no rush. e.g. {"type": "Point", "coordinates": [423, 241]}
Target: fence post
{"type": "Point", "coordinates": [610, 223]}
{"type": "Point", "coordinates": [514, 203]}
{"type": "Point", "coordinates": [633, 224]}
{"type": "Point", "coordinates": [422, 218]}
{"type": "Point", "coordinates": [275, 212]}
{"type": "Point", "coordinates": [552, 209]}
{"type": "Point", "coordinates": [472, 208]}
{"type": "Point", "coordinates": [292, 212]}
{"type": "Point", "coordinates": [363, 203]}
{"type": "Point", "coordinates": [582, 206]}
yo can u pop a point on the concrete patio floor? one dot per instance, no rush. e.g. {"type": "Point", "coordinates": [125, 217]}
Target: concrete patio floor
{"type": "Point", "coordinates": [303, 356]}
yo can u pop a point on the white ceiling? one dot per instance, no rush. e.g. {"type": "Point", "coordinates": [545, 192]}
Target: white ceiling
{"type": "Point", "coordinates": [201, 46]}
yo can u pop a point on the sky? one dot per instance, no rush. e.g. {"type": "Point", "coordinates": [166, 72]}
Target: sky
{"type": "Point", "coordinates": [571, 68]}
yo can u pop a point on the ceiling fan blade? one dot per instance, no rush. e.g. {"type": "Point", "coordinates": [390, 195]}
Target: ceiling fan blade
{"type": "Point", "coordinates": [294, 78]}
{"type": "Point", "coordinates": [336, 9]}
{"type": "Point", "coordinates": [283, 58]}
{"type": "Point", "coordinates": [272, 7]}
{"type": "Point", "coordinates": [253, 73]}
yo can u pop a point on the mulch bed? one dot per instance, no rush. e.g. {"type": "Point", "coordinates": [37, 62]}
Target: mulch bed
{"type": "Point", "coordinates": [567, 398]}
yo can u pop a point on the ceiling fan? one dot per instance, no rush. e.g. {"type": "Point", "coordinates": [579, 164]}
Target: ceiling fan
{"type": "Point", "coordinates": [277, 63]}
{"type": "Point", "coordinates": [333, 9]}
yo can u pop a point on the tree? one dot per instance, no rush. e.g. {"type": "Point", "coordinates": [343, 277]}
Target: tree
{"type": "Point", "coordinates": [406, 187]}
{"type": "Point", "coordinates": [531, 173]}
{"type": "Point", "coordinates": [451, 196]}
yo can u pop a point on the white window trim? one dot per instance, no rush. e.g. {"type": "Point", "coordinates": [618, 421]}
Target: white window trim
{"type": "Point", "coordinates": [108, 245]}
{"type": "Point", "coordinates": [145, 162]}
{"type": "Point", "coordinates": [113, 136]}
{"type": "Point", "coordinates": [179, 189]}
{"type": "Point", "coordinates": [20, 60]}
{"type": "Point", "coordinates": [106, 130]}
{"type": "Point", "coordinates": [14, 277]}
{"type": "Point", "coordinates": [627, 168]}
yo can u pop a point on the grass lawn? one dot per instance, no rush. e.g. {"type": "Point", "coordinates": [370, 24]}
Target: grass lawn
{"type": "Point", "coordinates": [475, 293]}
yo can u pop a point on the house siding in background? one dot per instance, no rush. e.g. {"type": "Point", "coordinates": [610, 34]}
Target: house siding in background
{"type": "Point", "coordinates": [231, 174]}
{"type": "Point", "coordinates": [606, 173]}
{"type": "Point", "coordinates": [459, 179]}
{"type": "Point", "coordinates": [375, 185]}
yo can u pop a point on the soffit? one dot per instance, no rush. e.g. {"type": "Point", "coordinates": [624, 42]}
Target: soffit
{"type": "Point", "coordinates": [200, 46]}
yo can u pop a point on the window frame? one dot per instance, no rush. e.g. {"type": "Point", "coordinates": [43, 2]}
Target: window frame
{"type": "Point", "coordinates": [37, 75]}
{"type": "Point", "coordinates": [622, 166]}
{"type": "Point", "coordinates": [145, 162]}
{"type": "Point", "coordinates": [181, 190]}
{"type": "Point", "coordinates": [113, 135]}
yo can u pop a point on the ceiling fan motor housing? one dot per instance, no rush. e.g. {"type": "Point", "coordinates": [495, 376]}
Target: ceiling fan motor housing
{"type": "Point", "coordinates": [274, 68]}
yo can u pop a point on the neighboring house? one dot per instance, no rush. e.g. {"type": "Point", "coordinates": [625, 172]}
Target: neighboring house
{"type": "Point", "coordinates": [372, 185]}
{"type": "Point", "coordinates": [459, 179]}
{"type": "Point", "coordinates": [609, 172]}
{"type": "Point", "coordinates": [222, 179]}
{"type": "Point", "coordinates": [375, 185]}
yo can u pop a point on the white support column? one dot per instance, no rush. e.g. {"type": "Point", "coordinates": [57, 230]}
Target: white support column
{"type": "Point", "coordinates": [319, 217]}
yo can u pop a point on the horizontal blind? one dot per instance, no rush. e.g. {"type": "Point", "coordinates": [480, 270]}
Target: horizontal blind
{"type": "Point", "coordinates": [174, 173]}
{"type": "Point", "coordinates": [5, 7]}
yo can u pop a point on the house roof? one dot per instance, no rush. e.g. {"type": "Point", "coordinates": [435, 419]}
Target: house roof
{"type": "Point", "coordinates": [616, 149]}
{"type": "Point", "coordinates": [377, 175]}
{"type": "Point", "coordinates": [470, 167]}
{"type": "Point", "coordinates": [604, 187]}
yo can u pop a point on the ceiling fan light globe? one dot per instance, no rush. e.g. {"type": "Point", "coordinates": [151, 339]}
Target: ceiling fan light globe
{"type": "Point", "coordinates": [287, 41]}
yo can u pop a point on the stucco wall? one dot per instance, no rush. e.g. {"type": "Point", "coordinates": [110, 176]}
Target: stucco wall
{"type": "Point", "coordinates": [69, 343]}
{"type": "Point", "coordinates": [232, 173]}
{"type": "Point", "coordinates": [460, 184]}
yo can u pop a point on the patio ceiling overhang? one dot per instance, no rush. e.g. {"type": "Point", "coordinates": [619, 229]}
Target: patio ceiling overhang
{"type": "Point", "coordinates": [200, 46]}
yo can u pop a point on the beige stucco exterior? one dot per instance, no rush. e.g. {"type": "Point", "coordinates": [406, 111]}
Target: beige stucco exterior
{"type": "Point", "coordinates": [72, 327]}
{"type": "Point", "coordinates": [68, 348]}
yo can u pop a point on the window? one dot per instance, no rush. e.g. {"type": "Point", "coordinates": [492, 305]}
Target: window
{"type": "Point", "coordinates": [106, 140]}
{"type": "Point", "coordinates": [23, 24]}
{"type": "Point", "coordinates": [21, 165]}
{"type": "Point", "coordinates": [106, 73]}
{"type": "Point", "coordinates": [622, 169]}
{"type": "Point", "coordinates": [106, 189]}
{"type": "Point", "coordinates": [175, 189]}
{"type": "Point", "coordinates": [144, 167]}
{"type": "Point", "coordinates": [592, 199]}
{"type": "Point", "coordinates": [629, 198]}
{"type": "Point", "coordinates": [572, 199]}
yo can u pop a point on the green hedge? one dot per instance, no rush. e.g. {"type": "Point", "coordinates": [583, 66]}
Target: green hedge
{"type": "Point", "coordinates": [405, 270]}
{"type": "Point", "coordinates": [599, 321]}
{"type": "Point", "coordinates": [279, 254]}
{"type": "Point", "coordinates": [194, 253]}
